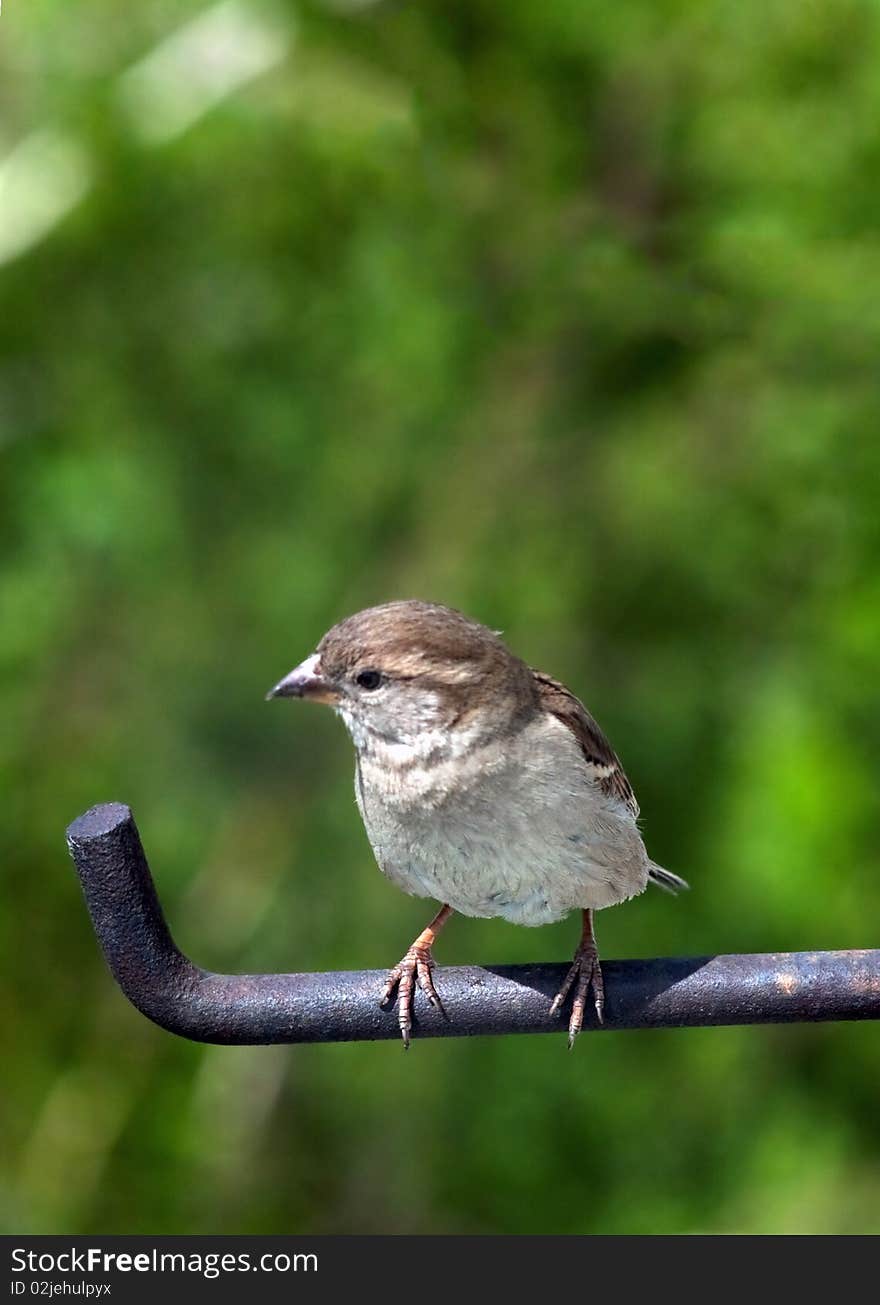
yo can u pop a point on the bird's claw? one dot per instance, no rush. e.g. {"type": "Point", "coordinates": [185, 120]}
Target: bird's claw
{"type": "Point", "coordinates": [586, 970]}
{"type": "Point", "coordinates": [414, 968]}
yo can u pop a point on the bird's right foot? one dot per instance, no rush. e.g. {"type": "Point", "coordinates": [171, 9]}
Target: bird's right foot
{"type": "Point", "coordinates": [414, 968]}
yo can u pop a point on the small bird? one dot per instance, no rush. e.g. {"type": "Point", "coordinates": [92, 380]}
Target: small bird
{"type": "Point", "coordinates": [482, 783]}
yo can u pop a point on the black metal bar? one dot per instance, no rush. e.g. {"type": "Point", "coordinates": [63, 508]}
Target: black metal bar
{"type": "Point", "coordinates": [776, 988]}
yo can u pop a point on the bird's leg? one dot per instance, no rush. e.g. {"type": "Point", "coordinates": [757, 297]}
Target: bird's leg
{"type": "Point", "coordinates": [416, 967]}
{"type": "Point", "coordinates": [586, 970]}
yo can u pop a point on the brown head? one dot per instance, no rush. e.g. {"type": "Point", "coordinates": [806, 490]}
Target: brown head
{"type": "Point", "coordinates": [408, 668]}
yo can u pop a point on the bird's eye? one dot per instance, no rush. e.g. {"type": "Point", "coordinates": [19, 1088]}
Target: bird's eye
{"type": "Point", "coordinates": [368, 679]}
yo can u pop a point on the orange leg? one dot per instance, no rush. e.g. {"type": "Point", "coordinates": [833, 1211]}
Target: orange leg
{"type": "Point", "coordinates": [415, 968]}
{"type": "Point", "coordinates": [586, 970]}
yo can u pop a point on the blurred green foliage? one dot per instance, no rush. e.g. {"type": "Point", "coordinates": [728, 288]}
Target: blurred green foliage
{"type": "Point", "coordinates": [563, 314]}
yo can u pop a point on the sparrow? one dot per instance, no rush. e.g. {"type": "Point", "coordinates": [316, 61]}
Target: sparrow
{"type": "Point", "coordinates": [482, 783]}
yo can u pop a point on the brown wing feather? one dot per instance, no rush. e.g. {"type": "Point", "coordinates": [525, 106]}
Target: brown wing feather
{"type": "Point", "coordinates": [609, 774]}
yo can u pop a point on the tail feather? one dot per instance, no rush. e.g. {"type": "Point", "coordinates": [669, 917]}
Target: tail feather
{"type": "Point", "coordinates": [666, 880]}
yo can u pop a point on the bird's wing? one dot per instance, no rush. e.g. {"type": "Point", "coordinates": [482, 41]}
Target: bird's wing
{"type": "Point", "coordinates": [604, 764]}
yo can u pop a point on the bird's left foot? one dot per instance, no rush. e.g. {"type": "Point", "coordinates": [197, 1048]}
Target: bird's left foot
{"type": "Point", "coordinates": [586, 973]}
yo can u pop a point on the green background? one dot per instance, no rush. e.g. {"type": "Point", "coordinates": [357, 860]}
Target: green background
{"type": "Point", "coordinates": [567, 315]}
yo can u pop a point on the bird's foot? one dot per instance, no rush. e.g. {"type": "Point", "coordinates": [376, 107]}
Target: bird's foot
{"type": "Point", "coordinates": [587, 972]}
{"type": "Point", "coordinates": [414, 968]}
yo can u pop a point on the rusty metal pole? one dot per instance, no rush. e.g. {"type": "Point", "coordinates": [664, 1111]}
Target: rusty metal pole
{"type": "Point", "coordinates": [777, 988]}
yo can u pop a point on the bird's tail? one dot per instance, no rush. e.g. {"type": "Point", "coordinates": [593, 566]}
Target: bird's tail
{"type": "Point", "coordinates": [665, 879]}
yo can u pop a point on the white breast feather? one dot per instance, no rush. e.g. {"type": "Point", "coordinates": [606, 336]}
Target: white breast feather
{"type": "Point", "coordinates": [514, 827]}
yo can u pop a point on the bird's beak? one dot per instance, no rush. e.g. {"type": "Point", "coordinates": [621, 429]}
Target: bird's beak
{"type": "Point", "coordinates": [305, 681]}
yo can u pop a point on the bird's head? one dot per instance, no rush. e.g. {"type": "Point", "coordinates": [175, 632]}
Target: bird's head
{"type": "Point", "coordinates": [414, 676]}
